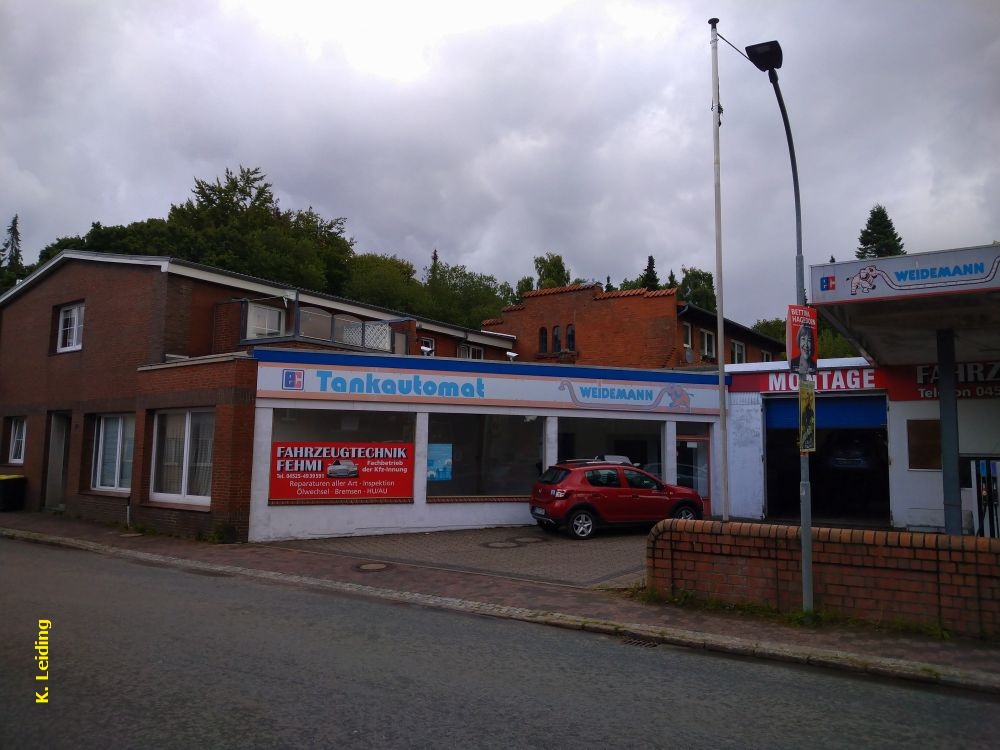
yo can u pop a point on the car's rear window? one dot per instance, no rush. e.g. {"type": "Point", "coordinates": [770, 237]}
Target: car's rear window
{"type": "Point", "coordinates": [553, 475]}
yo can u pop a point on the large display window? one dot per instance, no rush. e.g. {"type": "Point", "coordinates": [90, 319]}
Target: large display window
{"type": "Point", "coordinates": [331, 457]}
{"type": "Point", "coordinates": [586, 438]}
{"type": "Point", "coordinates": [482, 456]}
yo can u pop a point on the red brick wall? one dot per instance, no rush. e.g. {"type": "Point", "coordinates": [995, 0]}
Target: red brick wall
{"type": "Point", "coordinates": [880, 576]}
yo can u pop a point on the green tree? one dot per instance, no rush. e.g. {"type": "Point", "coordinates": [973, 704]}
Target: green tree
{"type": "Point", "coordinates": [608, 286]}
{"type": "Point", "coordinates": [671, 280]}
{"type": "Point", "coordinates": [386, 281]}
{"type": "Point", "coordinates": [830, 343]}
{"type": "Point", "coordinates": [879, 239]}
{"type": "Point", "coordinates": [698, 288]}
{"type": "Point", "coordinates": [524, 284]}
{"type": "Point", "coordinates": [462, 297]}
{"type": "Point", "coordinates": [10, 250]}
{"type": "Point", "coordinates": [552, 271]}
{"type": "Point", "coordinates": [771, 327]}
{"type": "Point", "coordinates": [649, 280]}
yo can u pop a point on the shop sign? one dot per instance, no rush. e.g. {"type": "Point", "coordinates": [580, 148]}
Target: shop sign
{"type": "Point", "coordinates": [843, 379]}
{"type": "Point", "coordinates": [920, 383]}
{"type": "Point", "coordinates": [427, 387]}
{"type": "Point", "coordinates": [308, 471]}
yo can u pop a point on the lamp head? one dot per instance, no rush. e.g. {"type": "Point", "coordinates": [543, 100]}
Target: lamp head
{"type": "Point", "coordinates": [766, 55]}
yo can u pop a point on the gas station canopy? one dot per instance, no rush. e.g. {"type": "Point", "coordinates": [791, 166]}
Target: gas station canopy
{"type": "Point", "coordinates": [892, 308]}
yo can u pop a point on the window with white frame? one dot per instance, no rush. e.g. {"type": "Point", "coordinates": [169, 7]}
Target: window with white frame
{"type": "Point", "coordinates": [15, 451]}
{"type": "Point", "coordinates": [765, 356]}
{"type": "Point", "coordinates": [707, 343]}
{"type": "Point", "coordinates": [469, 351]}
{"type": "Point", "coordinates": [687, 335]}
{"type": "Point", "coordinates": [70, 332]}
{"type": "Point", "coordinates": [737, 352]}
{"type": "Point", "coordinates": [182, 457]}
{"type": "Point", "coordinates": [114, 436]}
{"type": "Point", "coordinates": [427, 346]}
{"type": "Point", "coordinates": [264, 322]}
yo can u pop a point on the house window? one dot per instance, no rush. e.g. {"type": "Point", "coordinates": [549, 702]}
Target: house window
{"type": "Point", "coordinates": [556, 340]}
{"type": "Point", "coordinates": [113, 441]}
{"type": "Point", "coordinates": [264, 322]}
{"type": "Point", "coordinates": [15, 452]}
{"type": "Point", "coordinates": [427, 347]}
{"type": "Point", "coordinates": [543, 340]}
{"type": "Point", "coordinates": [707, 343]}
{"type": "Point", "coordinates": [70, 335]}
{"type": "Point", "coordinates": [765, 356]}
{"type": "Point", "coordinates": [687, 335]}
{"type": "Point", "coordinates": [315, 323]}
{"type": "Point", "coordinates": [571, 337]}
{"type": "Point", "coordinates": [737, 352]}
{"type": "Point", "coordinates": [182, 457]}
{"type": "Point", "coordinates": [468, 351]}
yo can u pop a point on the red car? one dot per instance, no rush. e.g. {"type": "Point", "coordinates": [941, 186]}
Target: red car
{"type": "Point", "coordinates": [582, 495]}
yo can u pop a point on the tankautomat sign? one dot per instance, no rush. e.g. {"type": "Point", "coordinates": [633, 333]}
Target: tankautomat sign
{"type": "Point", "coordinates": [316, 473]}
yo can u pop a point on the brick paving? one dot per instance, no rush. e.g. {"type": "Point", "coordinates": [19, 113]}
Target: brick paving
{"type": "Point", "coordinates": [544, 578]}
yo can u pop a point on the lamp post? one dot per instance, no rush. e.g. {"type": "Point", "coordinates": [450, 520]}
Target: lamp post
{"type": "Point", "coordinates": [767, 57]}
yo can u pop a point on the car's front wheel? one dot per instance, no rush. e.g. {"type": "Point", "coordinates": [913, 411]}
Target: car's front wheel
{"type": "Point", "coordinates": [685, 512]}
{"type": "Point", "coordinates": [582, 524]}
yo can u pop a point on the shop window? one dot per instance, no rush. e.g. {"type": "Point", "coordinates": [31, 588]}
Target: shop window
{"type": "Point", "coordinates": [482, 455]}
{"type": "Point", "coordinates": [543, 340]}
{"type": "Point", "coordinates": [571, 338]}
{"type": "Point", "coordinates": [923, 443]}
{"type": "Point", "coordinates": [15, 446]}
{"type": "Point", "coordinates": [113, 443]}
{"type": "Point", "coordinates": [707, 343]}
{"type": "Point", "coordinates": [264, 322]}
{"type": "Point", "coordinates": [469, 351]}
{"type": "Point", "coordinates": [556, 340]}
{"type": "Point", "coordinates": [737, 352]}
{"type": "Point", "coordinates": [70, 328]}
{"type": "Point", "coordinates": [182, 457]}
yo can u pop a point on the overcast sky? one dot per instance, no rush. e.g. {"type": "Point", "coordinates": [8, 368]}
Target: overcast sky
{"type": "Point", "coordinates": [496, 132]}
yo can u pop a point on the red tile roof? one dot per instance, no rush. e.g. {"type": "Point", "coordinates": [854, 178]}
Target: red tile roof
{"type": "Point", "coordinates": [560, 290]}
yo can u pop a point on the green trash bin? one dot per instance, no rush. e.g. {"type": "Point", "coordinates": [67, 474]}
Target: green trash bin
{"type": "Point", "coordinates": [12, 489]}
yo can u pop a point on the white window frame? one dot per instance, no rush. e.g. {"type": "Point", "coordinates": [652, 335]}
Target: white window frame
{"type": "Point", "coordinates": [71, 324]}
{"type": "Point", "coordinates": [707, 343]}
{"type": "Point", "coordinates": [766, 356]}
{"type": "Point", "coordinates": [18, 431]}
{"type": "Point", "coordinates": [470, 351]}
{"type": "Point", "coordinates": [687, 335]}
{"type": "Point", "coordinates": [737, 352]}
{"type": "Point", "coordinates": [102, 425]}
{"type": "Point", "coordinates": [428, 342]}
{"type": "Point", "coordinates": [183, 496]}
{"type": "Point", "coordinates": [263, 330]}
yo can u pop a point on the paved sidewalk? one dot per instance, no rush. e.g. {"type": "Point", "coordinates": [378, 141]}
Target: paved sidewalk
{"type": "Point", "coordinates": [525, 574]}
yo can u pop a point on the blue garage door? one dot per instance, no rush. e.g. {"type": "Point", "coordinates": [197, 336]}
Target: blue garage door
{"type": "Point", "coordinates": [831, 412]}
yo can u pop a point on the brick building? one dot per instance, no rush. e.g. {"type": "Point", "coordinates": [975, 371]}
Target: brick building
{"type": "Point", "coordinates": [128, 383]}
{"type": "Point", "coordinates": [584, 325]}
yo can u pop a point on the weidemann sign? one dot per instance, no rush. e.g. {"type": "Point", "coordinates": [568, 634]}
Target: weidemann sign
{"type": "Point", "coordinates": [346, 383]}
{"type": "Point", "coordinates": [945, 271]}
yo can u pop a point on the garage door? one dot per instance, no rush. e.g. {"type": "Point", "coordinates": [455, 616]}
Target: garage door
{"type": "Point", "coordinates": [832, 412]}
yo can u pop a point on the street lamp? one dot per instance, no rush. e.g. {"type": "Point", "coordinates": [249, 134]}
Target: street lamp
{"type": "Point", "coordinates": [767, 57]}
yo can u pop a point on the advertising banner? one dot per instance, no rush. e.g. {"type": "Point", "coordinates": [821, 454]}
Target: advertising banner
{"type": "Point", "coordinates": [800, 338]}
{"type": "Point", "coordinates": [313, 472]}
{"type": "Point", "coordinates": [807, 416]}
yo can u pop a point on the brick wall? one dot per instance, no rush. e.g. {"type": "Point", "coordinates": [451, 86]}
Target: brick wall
{"type": "Point", "coordinates": [879, 576]}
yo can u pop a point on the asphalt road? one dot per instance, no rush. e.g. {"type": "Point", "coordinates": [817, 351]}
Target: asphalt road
{"type": "Point", "coordinates": [151, 657]}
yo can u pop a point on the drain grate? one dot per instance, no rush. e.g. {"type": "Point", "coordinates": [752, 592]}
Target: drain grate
{"type": "Point", "coordinates": [632, 640]}
{"type": "Point", "coordinates": [371, 567]}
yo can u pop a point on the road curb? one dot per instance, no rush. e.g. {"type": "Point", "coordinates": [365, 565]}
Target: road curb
{"type": "Point", "coordinates": [841, 660]}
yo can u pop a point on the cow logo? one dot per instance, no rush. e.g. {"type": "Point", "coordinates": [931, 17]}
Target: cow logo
{"type": "Point", "coordinates": [293, 380]}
